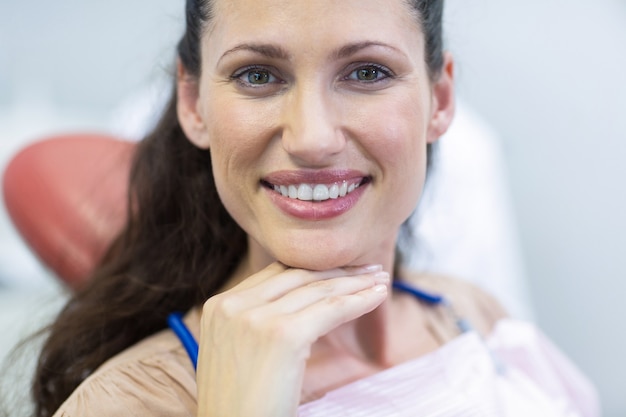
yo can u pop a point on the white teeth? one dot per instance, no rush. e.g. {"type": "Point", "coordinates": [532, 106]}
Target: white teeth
{"type": "Point", "coordinates": [333, 192]}
{"type": "Point", "coordinates": [305, 192]}
{"type": "Point", "coordinates": [316, 192]}
{"type": "Point", "coordinates": [321, 193]}
{"type": "Point", "coordinates": [343, 189]}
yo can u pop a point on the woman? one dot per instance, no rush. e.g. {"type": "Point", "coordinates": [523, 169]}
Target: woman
{"type": "Point", "coordinates": [267, 204]}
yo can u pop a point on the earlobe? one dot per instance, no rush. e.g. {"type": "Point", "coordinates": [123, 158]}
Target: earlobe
{"type": "Point", "coordinates": [189, 116]}
{"type": "Point", "coordinates": [443, 101]}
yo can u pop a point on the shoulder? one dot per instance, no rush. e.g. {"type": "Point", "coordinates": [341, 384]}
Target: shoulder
{"type": "Point", "coordinates": [468, 300]}
{"type": "Point", "coordinates": [152, 378]}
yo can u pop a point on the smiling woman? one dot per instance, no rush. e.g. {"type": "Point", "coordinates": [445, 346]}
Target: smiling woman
{"type": "Point", "coordinates": [322, 108]}
{"type": "Point", "coordinates": [267, 205]}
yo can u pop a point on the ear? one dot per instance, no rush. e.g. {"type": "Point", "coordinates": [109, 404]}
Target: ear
{"type": "Point", "coordinates": [443, 101]}
{"type": "Point", "coordinates": [188, 108]}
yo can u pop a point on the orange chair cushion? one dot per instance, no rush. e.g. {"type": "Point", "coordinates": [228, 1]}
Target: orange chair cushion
{"type": "Point", "coordinates": [67, 197]}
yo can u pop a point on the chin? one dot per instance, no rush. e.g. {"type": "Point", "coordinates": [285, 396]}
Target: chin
{"type": "Point", "coordinates": [312, 265]}
{"type": "Point", "coordinates": [316, 260]}
{"type": "Point", "coordinates": [322, 251]}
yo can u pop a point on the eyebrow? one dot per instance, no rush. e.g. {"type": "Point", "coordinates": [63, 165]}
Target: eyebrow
{"type": "Point", "coordinates": [353, 48]}
{"type": "Point", "coordinates": [267, 50]}
{"type": "Point", "coordinates": [277, 52]}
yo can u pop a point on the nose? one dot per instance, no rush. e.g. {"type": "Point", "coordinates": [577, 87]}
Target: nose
{"type": "Point", "coordinates": [311, 132]}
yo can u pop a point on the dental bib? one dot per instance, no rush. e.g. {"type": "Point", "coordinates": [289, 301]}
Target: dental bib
{"type": "Point", "coordinates": [516, 372]}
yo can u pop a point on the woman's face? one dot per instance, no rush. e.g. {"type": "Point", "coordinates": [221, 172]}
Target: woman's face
{"type": "Point", "coordinates": [317, 116]}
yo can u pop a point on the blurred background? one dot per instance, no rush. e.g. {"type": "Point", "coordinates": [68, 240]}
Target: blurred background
{"type": "Point", "coordinates": [547, 76]}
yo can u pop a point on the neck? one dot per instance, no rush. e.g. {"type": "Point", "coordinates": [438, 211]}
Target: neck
{"type": "Point", "coordinates": [366, 339]}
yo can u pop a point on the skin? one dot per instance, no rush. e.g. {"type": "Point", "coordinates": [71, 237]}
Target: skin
{"type": "Point", "coordinates": [311, 295]}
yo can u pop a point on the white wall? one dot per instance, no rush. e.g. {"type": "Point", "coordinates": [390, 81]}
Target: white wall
{"type": "Point", "coordinates": [548, 75]}
{"type": "Point", "coordinates": [65, 66]}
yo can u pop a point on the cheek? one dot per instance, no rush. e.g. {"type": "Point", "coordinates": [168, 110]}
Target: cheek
{"type": "Point", "coordinates": [403, 159]}
{"type": "Point", "coordinates": [238, 136]}
{"type": "Point", "coordinates": [396, 140]}
{"type": "Point", "coordinates": [404, 171]}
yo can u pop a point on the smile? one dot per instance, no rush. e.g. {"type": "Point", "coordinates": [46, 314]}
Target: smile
{"type": "Point", "coordinates": [316, 195]}
{"type": "Point", "coordinates": [317, 192]}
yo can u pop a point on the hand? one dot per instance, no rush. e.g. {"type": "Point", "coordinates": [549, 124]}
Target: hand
{"type": "Point", "coordinates": [256, 337]}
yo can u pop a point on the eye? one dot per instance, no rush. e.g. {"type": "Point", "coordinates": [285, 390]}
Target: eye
{"type": "Point", "coordinates": [369, 73]}
{"type": "Point", "coordinates": [255, 76]}
{"type": "Point", "coordinates": [259, 76]}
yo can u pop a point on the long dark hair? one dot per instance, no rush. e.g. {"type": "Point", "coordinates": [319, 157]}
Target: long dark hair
{"type": "Point", "coordinates": [178, 247]}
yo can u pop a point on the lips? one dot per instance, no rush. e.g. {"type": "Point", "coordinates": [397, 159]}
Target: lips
{"type": "Point", "coordinates": [315, 194]}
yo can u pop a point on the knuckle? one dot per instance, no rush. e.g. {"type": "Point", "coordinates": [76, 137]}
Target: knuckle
{"type": "Point", "coordinates": [224, 305]}
{"type": "Point", "coordinates": [282, 331]}
{"type": "Point", "coordinates": [300, 276]}
{"type": "Point", "coordinates": [209, 306]}
{"type": "Point", "coordinates": [336, 300]}
{"type": "Point", "coordinates": [323, 286]}
{"type": "Point", "coordinates": [252, 320]}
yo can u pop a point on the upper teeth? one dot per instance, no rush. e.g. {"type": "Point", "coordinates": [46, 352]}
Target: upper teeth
{"type": "Point", "coordinates": [316, 192]}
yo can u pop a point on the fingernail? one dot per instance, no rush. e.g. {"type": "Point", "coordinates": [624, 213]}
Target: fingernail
{"type": "Point", "coordinates": [381, 277]}
{"type": "Point", "coordinates": [380, 288]}
{"type": "Point", "coordinates": [370, 268]}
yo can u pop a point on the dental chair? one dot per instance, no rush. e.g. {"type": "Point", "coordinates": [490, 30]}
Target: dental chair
{"type": "Point", "coordinates": [66, 195]}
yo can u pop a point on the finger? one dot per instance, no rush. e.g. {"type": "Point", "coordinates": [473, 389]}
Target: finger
{"type": "Point", "coordinates": [270, 288]}
{"type": "Point", "coordinates": [316, 291]}
{"type": "Point", "coordinates": [265, 288]}
{"type": "Point", "coordinates": [327, 314]}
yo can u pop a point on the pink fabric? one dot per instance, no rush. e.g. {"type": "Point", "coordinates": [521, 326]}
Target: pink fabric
{"type": "Point", "coordinates": [516, 372]}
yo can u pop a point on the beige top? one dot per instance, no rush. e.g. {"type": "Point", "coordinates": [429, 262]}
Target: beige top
{"type": "Point", "coordinates": [156, 378]}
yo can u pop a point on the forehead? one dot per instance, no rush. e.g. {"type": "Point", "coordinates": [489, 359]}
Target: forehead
{"type": "Point", "coordinates": [316, 22]}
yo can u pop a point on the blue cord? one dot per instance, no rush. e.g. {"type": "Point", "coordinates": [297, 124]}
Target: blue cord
{"type": "Point", "coordinates": [175, 321]}
{"type": "Point", "coordinates": [462, 324]}
{"type": "Point", "coordinates": [420, 294]}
